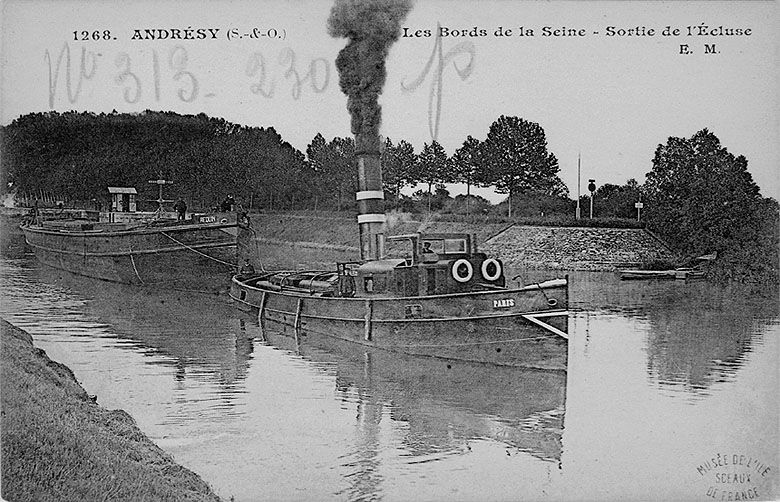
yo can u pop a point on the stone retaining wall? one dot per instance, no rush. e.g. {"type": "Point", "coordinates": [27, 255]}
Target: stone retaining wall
{"type": "Point", "coordinates": [316, 241]}
{"type": "Point", "coordinates": [576, 248]}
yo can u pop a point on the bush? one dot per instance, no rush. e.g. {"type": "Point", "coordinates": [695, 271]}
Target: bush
{"type": "Point", "coordinates": [467, 205]}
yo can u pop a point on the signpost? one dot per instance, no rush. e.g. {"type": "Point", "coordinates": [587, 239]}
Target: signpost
{"type": "Point", "coordinates": [592, 188]}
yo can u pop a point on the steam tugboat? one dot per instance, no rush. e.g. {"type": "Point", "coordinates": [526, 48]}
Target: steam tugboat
{"type": "Point", "coordinates": [443, 298]}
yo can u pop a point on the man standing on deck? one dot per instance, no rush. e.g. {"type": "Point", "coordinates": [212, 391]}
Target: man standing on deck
{"type": "Point", "coordinates": [181, 208]}
{"type": "Point", "coordinates": [228, 204]}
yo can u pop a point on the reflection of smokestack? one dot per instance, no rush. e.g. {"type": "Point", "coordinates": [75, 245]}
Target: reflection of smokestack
{"type": "Point", "coordinates": [371, 206]}
{"type": "Point", "coordinates": [371, 27]}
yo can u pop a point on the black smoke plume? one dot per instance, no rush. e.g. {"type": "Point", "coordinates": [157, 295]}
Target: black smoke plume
{"type": "Point", "coordinates": [371, 27]}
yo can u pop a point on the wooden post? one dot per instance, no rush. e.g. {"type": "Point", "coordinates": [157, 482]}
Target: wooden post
{"type": "Point", "coordinates": [261, 325]}
{"type": "Point", "coordinates": [261, 313]}
{"type": "Point", "coordinates": [297, 324]}
{"type": "Point", "coordinates": [369, 314]}
{"type": "Point", "coordinates": [261, 316]}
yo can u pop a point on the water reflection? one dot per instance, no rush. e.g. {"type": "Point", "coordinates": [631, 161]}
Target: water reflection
{"type": "Point", "coordinates": [190, 332]}
{"type": "Point", "coordinates": [441, 406]}
{"type": "Point", "coordinates": [698, 333]}
{"type": "Point", "coordinates": [470, 400]}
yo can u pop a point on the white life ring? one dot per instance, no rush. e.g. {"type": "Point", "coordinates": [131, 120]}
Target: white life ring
{"type": "Point", "coordinates": [486, 264]}
{"type": "Point", "coordinates": [469, 270]}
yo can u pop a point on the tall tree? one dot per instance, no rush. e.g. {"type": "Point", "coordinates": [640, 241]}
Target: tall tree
{"type": "Point", "coordinates": [702, 199]}
{"type": "Point", "coordinates": [397, 166]}
{"type": "Point", "coordinates": [516, 159]}
{"type": "Point", "coordinates": [315, 152]}
{"type": "Point", "coordinates": [464, 166]}
{"type": "Point", "coordinates": [316, 156]}
{"type": "Point", "coordinates": [617, 201]}
{"type": "Point", "coordinates": [431, 166]}
{"type": "Point", "coordinates": [338, 170]}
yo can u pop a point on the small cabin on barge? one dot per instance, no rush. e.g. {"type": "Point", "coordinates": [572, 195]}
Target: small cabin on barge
{"type": "Point", "coordinates": [435, 264]}
{"type": "Point", "coordinates": [439, 263]}
{"type": "Point", "coordinates": [123, 199]}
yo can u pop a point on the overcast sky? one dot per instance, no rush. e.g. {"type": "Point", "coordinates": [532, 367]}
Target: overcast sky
{"type": "Point", "coordinates": [613, 98]}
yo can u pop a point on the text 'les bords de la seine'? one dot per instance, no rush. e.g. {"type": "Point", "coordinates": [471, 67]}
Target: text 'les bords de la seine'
{"type": "Point", "coordinates": [699, 30]}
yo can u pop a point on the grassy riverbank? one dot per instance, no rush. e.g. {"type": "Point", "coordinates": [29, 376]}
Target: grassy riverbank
{"type": "Point", "coordinates": [59, 445]}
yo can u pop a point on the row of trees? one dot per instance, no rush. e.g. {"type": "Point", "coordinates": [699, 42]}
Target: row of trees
{"type": "Point", "coordinates": [513, 159]}
{"type": "Point", "coordinates": [698, 196]}
{"type": "Point", "coordinates": [78, 155]}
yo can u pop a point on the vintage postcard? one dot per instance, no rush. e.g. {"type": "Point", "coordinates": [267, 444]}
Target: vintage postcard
{"type": "Point", "coordinates": [390, 250]}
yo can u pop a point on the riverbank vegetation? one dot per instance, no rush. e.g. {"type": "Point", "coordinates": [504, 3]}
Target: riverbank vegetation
{"type": "Point", "coordinates": [702, 199]}
{"type": "Point", "coordinates": [57, 444]}
{"type": "Point", "coordinates": [699, 197]}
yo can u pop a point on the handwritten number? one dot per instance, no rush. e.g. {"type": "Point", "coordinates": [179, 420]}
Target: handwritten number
{"type": "Point", "coordinates": [318, 73]}
{"type": "Point", "coordinates": [288, 56]}
{"type": "Point", "coordinates": [178, 61]}
{"type": "Point", "coordinates": [318, 79]}
{"type": "Point", "coordinates": [123, 60]}
{"type": "Point", "coordinates": [257, 63]}
{"type": "Point", "coordinates": [313, 73]}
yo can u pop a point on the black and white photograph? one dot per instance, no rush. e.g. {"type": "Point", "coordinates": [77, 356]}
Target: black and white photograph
{"type": "Point", "coordinates": [389, 250]}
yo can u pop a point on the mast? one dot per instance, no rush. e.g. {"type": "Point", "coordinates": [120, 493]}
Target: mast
{"type": "Point", "coordinates": [160, 182]}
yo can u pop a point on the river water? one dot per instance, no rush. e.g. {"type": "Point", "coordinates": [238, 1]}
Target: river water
{"type": "Point", "coordinates": [665, 381]}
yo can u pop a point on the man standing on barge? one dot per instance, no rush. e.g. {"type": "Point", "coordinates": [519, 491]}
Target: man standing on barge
{"type": "Point", "coordinates": [181, 208]}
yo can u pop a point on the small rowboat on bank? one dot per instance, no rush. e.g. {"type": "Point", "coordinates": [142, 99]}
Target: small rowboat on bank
{"type": "Point", "coordinates": [698, 271]}
{"type": "Point", "coordinates": [678, 273]}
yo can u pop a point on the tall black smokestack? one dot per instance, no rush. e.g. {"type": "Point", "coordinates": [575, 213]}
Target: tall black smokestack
{"type": "Point", "coordinates": [371, 27]}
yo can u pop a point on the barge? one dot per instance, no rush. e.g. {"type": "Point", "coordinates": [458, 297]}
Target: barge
{"type": "Point", "coordinates": [141, 248]}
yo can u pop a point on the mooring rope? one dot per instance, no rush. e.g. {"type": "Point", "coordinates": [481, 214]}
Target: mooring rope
{"type": "Point", "coordinates": [198, 252]}
{"type": "Point", "coordinates": [546, 298]}
{"type": "Point", "coordinates": [135, 269]}
{"type": "Point", "coordinates": [257, 247]}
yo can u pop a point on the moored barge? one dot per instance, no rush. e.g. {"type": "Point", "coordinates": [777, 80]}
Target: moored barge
{"type": "Point", "coordinates": [125, 246]}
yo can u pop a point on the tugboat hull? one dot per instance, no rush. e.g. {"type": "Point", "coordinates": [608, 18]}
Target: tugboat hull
{"type": "Point", "coordinates": [523, 327]}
